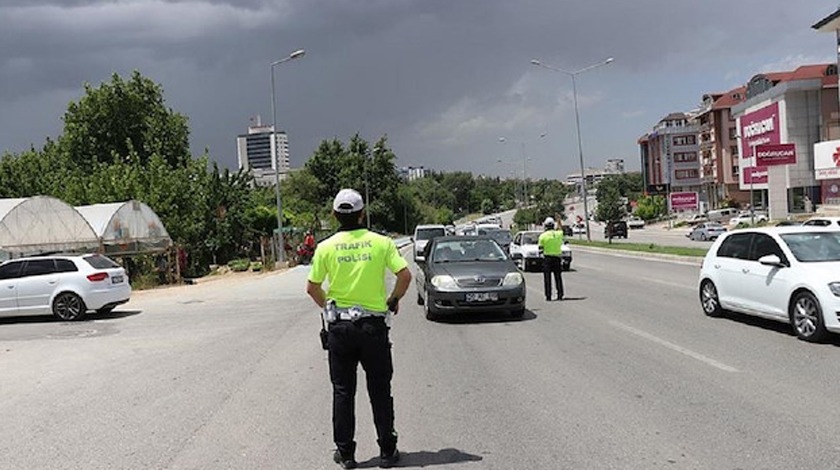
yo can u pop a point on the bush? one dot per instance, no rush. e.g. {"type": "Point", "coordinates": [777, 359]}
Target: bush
{"type": "Point", "coordinates": [256, 266]}
{"type": "Point", "coordinates": [239, 265]}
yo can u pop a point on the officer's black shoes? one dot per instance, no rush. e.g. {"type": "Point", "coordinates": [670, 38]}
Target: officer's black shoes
{"type": "Point", "coordinates": [344, 460]}
{"type": "Point", "coordinates": [389, 460]}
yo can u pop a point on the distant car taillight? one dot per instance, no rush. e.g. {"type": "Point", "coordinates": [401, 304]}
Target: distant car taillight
{"type": "Point", "coordinates": [96, 277]}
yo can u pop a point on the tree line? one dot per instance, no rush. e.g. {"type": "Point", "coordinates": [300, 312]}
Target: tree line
{"type": "Point", "coordinates": [120, 141]}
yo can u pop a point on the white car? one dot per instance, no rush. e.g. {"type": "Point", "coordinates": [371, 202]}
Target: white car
{"type": "Point", "coordinates": [68, 286]}
{"type": "Point", "coordinates": [579, 229]}
{"type": "Point", "coordinates": [635, 222]}
{"type": "Point", "coordinates": [828, 222]}
{"type": "Point", "coordinates": [788, 273]}
{"type": "Point", "coordinates": [422, 235]}
{"type": "Point", "coordinates": [525, 251]}
{"type": "Point", "coordinates": [747, 218]}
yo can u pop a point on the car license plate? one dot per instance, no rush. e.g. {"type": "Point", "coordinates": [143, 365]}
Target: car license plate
{"type": "Point", "coordinates": [116, 279]}
{"type": "Point", "coordinates": [482, 297]}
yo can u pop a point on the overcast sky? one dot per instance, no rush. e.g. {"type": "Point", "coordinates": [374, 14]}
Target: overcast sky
{"type": "Point", "coordinates": [444, 79]}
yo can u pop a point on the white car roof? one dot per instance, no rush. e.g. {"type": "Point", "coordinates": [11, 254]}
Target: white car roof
{"type": "Point", "coordinates": [429, 226]}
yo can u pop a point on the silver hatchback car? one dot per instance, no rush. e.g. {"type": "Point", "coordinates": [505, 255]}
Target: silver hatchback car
{"type": "Point", "coordinates": [68, 286]}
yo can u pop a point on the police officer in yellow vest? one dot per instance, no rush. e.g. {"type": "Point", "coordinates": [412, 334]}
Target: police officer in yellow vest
{"type": "Point", "coordinates": [357, 313]}
{"type": "Point", "coordinates": [551, 246]}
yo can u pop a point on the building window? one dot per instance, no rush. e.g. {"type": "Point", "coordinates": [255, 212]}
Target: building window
{"type": "Point", "coordinates": [685, 140]}
{"type": "Point", "coordinates": [733, 151]}
{"type": "Point", "coordinates": [733, 132]}
{"type": "Point", "coordinates": [735, 170]}
{"type": "Point", "coordinates": [682, 157]}
{"type": "Point", "coordinates": [687, 174]}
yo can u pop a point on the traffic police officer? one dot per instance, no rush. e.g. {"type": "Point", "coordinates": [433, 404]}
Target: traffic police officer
{"type": "Point", "coordinates": [356, 310]}
{"type": "Point", "coordinates": [551, 245]}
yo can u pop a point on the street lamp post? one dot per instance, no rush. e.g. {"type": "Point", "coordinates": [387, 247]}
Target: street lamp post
{"type": "Point", "coordinates": [577, 123]}
{"type": "Point", "coordinates": [367, 185]}
{"type": "Point", "coordinates": [281, 252]}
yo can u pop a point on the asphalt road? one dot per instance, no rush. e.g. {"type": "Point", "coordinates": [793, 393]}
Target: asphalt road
{"type": "Point", "coordinates": [626, 374]}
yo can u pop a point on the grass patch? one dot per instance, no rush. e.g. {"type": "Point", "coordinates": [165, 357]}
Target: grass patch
{"type": "Point", "coordinates": [644, 248]}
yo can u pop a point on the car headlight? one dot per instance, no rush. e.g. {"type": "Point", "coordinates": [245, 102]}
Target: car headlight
{"type": "Point", "coordinates": [444, 282]}
{"type": "Point", "coordinates": [513, 279]}
{"type": "Point", "coordinates": [835, 288]}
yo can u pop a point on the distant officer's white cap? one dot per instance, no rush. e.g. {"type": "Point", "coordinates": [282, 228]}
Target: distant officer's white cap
{"type": "Point", "coordinates": [549, 221]}
{"type": "Point", "coordinates": [348, 201]}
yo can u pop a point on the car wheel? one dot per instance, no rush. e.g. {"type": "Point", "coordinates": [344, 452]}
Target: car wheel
{"type": "Point", "coordinates": [518, 313]}
{"type": "Point", "coordinates": [105, 310]}
{"type": "Point", "coordinates": [709, 299]}
{"type": "Point", "coordinates": [430, 313]}
{"type": "Point", "coordinates": [806, 318]}
{"type": "Point", "coordinates": [68, 306]}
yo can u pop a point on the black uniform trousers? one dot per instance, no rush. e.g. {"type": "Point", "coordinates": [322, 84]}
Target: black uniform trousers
{"type": "Point", "coordinates": [553, 265]}
{"type": "Point", "coordinates": [364, 341]}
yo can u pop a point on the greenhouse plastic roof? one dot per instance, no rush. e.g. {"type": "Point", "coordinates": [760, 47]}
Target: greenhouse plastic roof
{"type": "Point", "coordinates": [124, 222]}
{"type": "Point", "coordinates": [43, 224]}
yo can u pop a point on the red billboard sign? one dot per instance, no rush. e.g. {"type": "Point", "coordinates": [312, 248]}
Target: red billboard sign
{"type": "Point", "coordinates": [755, 175]}
{"type": "Point", "coordinates": [759, 128]}
{"type": "Point", "coordinates": [684, 201]}
{"type": "Point", "coordinates": [775, 154]}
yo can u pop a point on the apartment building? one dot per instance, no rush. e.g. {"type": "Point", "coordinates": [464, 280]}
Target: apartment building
{"type": "Point", "coordinates": [719, 163]}
{"type": "Point", "coordinates": [670, 154]}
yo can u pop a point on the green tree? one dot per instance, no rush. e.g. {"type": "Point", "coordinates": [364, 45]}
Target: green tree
{"type": "Point", "coordinates": [651, 207]}
{"type": "Point", "coordinates": [122, 120]}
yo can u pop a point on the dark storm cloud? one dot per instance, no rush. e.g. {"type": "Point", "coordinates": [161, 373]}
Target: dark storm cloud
{"type": "Point", "coordinates": [443, 78]}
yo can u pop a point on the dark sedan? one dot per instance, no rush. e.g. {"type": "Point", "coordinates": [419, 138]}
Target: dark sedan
{"type": "Point", "coordinates": [469, 274]}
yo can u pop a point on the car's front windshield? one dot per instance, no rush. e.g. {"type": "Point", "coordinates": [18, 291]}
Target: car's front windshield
{"type": "Point", "coordinates": [530, 238]}
{"type": "Point", "coordinates": [813, 247]}
{"type": "Point", "coordinates": [467, 250]}
{"type": "Point", "coordinates": [429, 233]}
{"type": "Point", "coordinates": [501, 236]}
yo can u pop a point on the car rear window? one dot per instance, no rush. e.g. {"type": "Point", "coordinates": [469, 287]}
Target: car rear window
{"type": "Point", "coordinates": [429, 233]}
{"type": "Point", "coordinates": [100, 262]}
{"type": "Point", "coordinates": [65, 266]}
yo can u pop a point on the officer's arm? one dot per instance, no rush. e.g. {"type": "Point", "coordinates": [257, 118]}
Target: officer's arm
{"type": "Point", "coordinates": [317, 293]}
{"type": "Point", "coordinates": [400, 287]}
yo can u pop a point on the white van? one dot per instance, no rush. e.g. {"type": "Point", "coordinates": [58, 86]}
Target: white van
{"type": "Point", "coordinates": [422, 235]}
{"type": "Point", "coordinates": [717, 215]}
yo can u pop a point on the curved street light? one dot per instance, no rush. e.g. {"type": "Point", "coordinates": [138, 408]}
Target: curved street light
{"type": "Point", "coordinates": [281, 252]}
{"type": "Point", "coordinates": [574, 75]}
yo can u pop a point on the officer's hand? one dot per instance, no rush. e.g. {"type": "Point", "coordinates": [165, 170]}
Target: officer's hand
{"type": "Point", "coordinates": [394, 305]}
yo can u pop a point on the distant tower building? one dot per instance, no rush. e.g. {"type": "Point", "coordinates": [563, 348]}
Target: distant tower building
{"type": "Point", "coordinates": [411, 173]}
{"type": "Point", "coordinates": [614, 166]}
{"type": "Point", "coordinates": [256, 153]}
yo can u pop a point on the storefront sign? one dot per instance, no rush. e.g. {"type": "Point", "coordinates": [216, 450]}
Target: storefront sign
{"type": "Point", "coordinates": [684, 201]}
{"type": "Point", "coordinates": [759, 128]}
{"type": "Point", "coordinates": [755, 175]}
{"type": "Point", "coordinates": [775, 154]}
{"type": "Point", "coordinates": [827, 160]}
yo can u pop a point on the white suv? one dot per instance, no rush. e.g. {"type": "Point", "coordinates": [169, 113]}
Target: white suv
{"type": "Point", "coordinates": [422, 235]}
{"type": "Point", "coordinates": [65, 285]}
{"type": "Point", "coordinates": [525, 251]}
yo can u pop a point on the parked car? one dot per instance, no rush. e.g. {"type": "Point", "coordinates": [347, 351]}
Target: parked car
{"type": "Point", "coordinates": [706, 231]}
{"type": "Point", "coordinates": [525, 252]}
{"type": "Point", "coordinates": [616, 229]}
{"type": "Point", "coordinates": [697, 219]}
{"type": "Point", "coordinates": [790, 274]}
{"type": "Point", "coordinates": [578, 229]}
{"type": "Point", "coordinates": [422, 235]}
{"type": "Point", "coordinates": [469, 274]}
{"type": "Point", "coordinates": [747, 218]}
{"type": "Point", "coordinates": [635, 222]}
{"type": "Point", "coordinates": [68, 286]}
{"type": "Point", "coordinates": [830, 222]}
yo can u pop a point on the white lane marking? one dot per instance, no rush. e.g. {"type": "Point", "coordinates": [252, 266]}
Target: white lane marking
{"type": "Point", "coordinates": [674, 347]}
{"type": "Point", "coordinates": [665, 283]}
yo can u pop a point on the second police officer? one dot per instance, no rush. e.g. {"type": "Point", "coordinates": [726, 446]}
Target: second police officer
{"type": "Point", "coordinates": [551, 246]}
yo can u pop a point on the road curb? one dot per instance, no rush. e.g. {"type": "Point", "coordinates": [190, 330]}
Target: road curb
{"type": "Point", "coordinates": [680, 259]}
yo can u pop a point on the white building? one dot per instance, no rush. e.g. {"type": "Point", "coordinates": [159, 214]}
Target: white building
{"type": "Point", "coordinates": [263, 152]}
{"type": "Point", "coordinates": [411, 173]}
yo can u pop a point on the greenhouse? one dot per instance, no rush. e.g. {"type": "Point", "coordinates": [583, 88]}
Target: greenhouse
{"type": "Point", "coordinates": [42, 224]}
{"type": "Point", "coordinates": [126, 228]}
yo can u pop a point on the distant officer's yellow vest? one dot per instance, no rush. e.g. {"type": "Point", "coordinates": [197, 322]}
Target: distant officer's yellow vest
{"type": "Point", "coordinates": [354, 263]}
{"type": "Point", "coordinates": [551, 241]}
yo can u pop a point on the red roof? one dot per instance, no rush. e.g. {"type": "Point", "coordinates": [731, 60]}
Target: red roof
{"type": "Point", "coordinates": [730, 98]}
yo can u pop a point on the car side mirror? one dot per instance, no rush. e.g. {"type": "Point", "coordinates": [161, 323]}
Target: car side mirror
{"type": "Point", "coordinates": [772, 260]}
{"type": "Point", "coordinates": [412, 239]}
